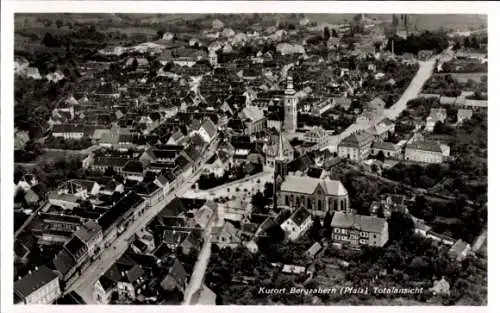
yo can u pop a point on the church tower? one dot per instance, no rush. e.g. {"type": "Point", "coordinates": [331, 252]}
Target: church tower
{"type": "Point", "coordinates": [290, 106]}
{"type": "Point", "coordinates": [280, 169]}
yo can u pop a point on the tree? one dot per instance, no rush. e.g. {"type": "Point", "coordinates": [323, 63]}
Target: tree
{"type": "Point", "coordinates": [49, 41]}
{"type": "Point", "coordinates": [59, 23]}
{"type": "Point", "coordinates": [333, 33]}
{"type": "Point", "coordinates": [326, 34]}
{"type": "Point", "coordinates": [400, 226]}
{"type": "Point", "coordinates": [159, 33]}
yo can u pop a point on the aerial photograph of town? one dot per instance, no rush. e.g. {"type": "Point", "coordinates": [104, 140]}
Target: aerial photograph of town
{"type": "Point", "coordinates": [250, 159]}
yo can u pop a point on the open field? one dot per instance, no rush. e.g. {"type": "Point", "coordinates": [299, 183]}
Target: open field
{"type": "Point", "coordinates": [417, 21]}
{"type": "Point", "coordinates": [132, 30]}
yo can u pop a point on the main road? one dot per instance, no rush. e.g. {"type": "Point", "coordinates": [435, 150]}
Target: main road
{"type": "Point", "coordinates": [423, 74]}
{"type": "Point", "coordinates": [84, 284]}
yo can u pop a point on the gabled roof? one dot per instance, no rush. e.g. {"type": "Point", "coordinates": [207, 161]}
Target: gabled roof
{"type": "Point", "coordinates": [173, 209]}
{"type": "Point", "coordinates": [133, 166]}
{"type": "Point", "coordinates": [64, 262]}
{"type": "Point", "coordinates": [459, 247]}
{"type": "Point", "coordinates": [300, 216]}
{"type": "Point", "coordinates": [363, 222]}
{"type": "Point", "coordinates": [34, 281]}
{"type": "Point", "coordinates": [307, 185]}
{"type": "Point", "coordinates": [177, 272]}
{"type": "Point", "coordinates": [75, 246]}
{"type": "Point", "coordinates": [252, 113]}
{"type": "Point", "coordinates": [357, 139]}
{"type": "Point", "coordinates": [385, 146]}
{"type": "Point", "coordinates": [134, 274]}
{"type": "Point", "coordinates": [209, 127]}
{"type": "Point", "coordinates": [425, 145]}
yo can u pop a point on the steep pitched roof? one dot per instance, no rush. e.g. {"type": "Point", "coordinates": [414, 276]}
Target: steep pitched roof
{"type": "Point", "coordinates": [300, 216]}
{"type": "Point", "coordinates": [307, 185]}
{"type": "Point", "coordinates": [209, 127]}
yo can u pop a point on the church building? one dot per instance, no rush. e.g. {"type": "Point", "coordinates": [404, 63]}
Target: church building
{"type": "Point", "coordinates": [318, 195]}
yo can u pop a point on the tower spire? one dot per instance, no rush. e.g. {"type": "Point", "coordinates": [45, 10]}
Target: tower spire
{"type": "Point", "coordinates": [280, 154]}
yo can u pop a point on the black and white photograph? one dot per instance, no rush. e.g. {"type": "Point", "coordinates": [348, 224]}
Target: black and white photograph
{"type": "Point", "coordinates": [310, 159]}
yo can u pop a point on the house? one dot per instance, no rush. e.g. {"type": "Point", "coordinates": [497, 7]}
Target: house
{"type": "Point", "coordinates": [133, 170]}
{"type": "Point", "coordinates": [55, 76]}
{"type": "Point", "coordinates": [426, 151]}
{"type": "Point", "coordinates": [463, 114]}
{"type": "Point", "coordinates": [225, 236]}
{"type": "Point", "coordinates": [32, 72]}
{"type": "Point", "coordinates": [293, 269]}
{"type": "Point", "coordinates": [253, 119]}
{"type": "Point", "coordinates": [441, 287]}
{"type": "Point", "coordinates": [191, 244]}
{"type": "Point", "coordinates": [317, 195]}
{"type": "Point", "coordinates": [38, 287]}
{"type": "Point", "coordinates": [434, 116]}
{"type": "Point", "coordinates": [20, 65]}
{"type": "Point", "coordinates": [176, 138]}
{"type": "Point", "coordinates": [70, 131]}
{"type": "Point", "coordinates": [297, 224]}
{"type": "Point", "coordinates": [91, 235]}
{"type": "Point", "coordinates": [313, 250]}
{"type": "Point", "coordinates": [459, 250]}
{"type": "Point", "coordinates": [31, 197]}
{"type": "Point", "coordinates": [104, 288]}
{"type": "Point", "coordinates": [176, 279]}
{"type": "Point", "coordinates": [359, 230]}
{"type": "Point", "coordinates": [356, 146]}
{"type": "Point", "coordinates": [342, 102]}
{"type": "Point", "coordinates": [476, 104]}
{"type": "Point", "coordinates": [126, 277]}
{"type": "Point", "coordinates": [381, 130]}
{"type": "Point", "coordinates": [162, 182]}
{"type": "Point", "coordinates": [188, 61]}
{"type": "Point", "coordinates": [388, 149]}
{"type": "Point", "coordinates": [207, 130]}
{"type": "Point", "coordinates": [173, 238]}
{"type": "Point", "coordinates": [65, 265]}
{"type": "Point", "coordinates": [316, 135]}
{"type": "Point", "coordinates": [27, 182]}
{"type": "Point", "coordinates": [77, 249]}
{"type": "Point", "coordinates": [204, 214]}
{"type": "Point", "coordinates": [92, 187]}
{"type": "Point", "coordinates": [204, 296]}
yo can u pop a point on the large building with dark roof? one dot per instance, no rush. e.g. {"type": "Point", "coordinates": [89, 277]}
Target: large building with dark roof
{"type": "Point", "coordinates": [38, 287]}
{"type": "Point", "coordinates": [356, 146]}
{"type": "Point", "coordinates": [359, 230]}
{"type": "Point", "coordinates": [426, 151]}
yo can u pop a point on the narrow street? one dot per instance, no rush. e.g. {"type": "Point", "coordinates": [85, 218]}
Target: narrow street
{"type": "Point", "coordinates": [85, 282]}
{"type": "Point", "coordinates": [197, 277]}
